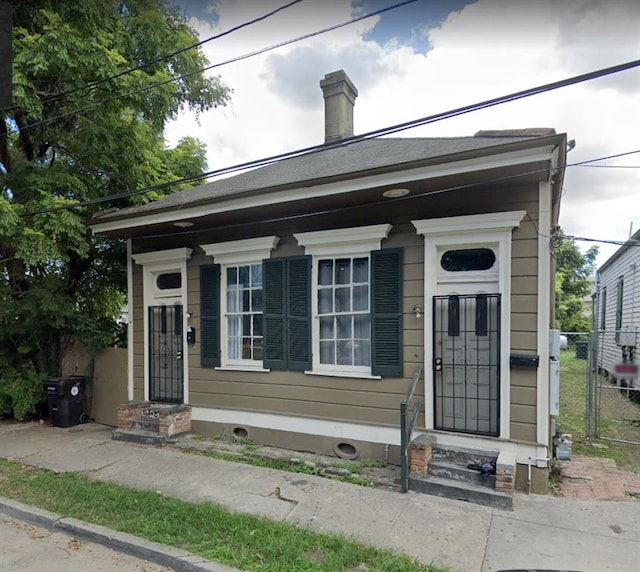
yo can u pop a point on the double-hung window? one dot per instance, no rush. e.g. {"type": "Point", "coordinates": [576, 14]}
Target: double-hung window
{"type": "Point", "coordinates": [341, 297]}
{"type": "Point", "coordinates": [336, 310]}
{"type": "Point", "coordinates": [344, 331]}
{"type": "Point", "coordinates": [243, 313]}
{"type": "Point", "coordinates": [232, 299]}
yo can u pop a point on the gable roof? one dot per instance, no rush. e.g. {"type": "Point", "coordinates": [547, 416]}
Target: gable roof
{"type": "Point", "coordinates": [632, 242]}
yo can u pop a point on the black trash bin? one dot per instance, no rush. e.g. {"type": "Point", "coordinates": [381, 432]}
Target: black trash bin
{"type": "Point", "coordinates": [66, 399]}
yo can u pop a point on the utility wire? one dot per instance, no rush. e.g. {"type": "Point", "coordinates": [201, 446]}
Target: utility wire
{"type": "Point", "coordinates": [370, 135]}
{"type": "Point", "coordinates": [172, 54]}
{"type": "Point", "coordinates": [385, 201]}
{"type": "Point", "coordinates": [628, 242]}
{"type": "Point", "coordinates": [612, 166]}
{"type": "Point", "coordinates": [212, 66]}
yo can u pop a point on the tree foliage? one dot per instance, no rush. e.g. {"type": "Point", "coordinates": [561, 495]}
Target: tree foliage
{"type": "Point", "coordinates": [74, 135]}
{"type": "Point", "coordinates": [573, 272]}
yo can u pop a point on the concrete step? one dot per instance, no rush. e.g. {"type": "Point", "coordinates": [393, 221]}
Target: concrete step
{"type": "Point", "coordinates": [463, 455]}
{"type": "Point", "coordinates": [459, 472]}
{"type": "Point", "coordinates": [145, 424]}
{"type": "Point", "coordinates": [460, 490]}
{"type": "Point", "coordinates": [140, 436]}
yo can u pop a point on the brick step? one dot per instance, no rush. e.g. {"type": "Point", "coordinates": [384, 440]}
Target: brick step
{"type": "Point", "coordinates": [459, 490]}
{"type": "Point", "coordinates": [140, 436]}
{"type": "Point", "coordinates": [460, 472]}
{"type": "Point", "coordinates": [463, 455]}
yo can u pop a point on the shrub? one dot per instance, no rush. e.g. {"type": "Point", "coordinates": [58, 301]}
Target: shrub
{"type": "Point", "coordinates": [21, 392]}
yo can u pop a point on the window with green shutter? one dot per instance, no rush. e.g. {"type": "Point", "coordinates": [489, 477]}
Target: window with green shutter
{"type": "Point", "coordinates": [358, 301]}
{"type": "Point", "coordinates": [386, 312]}
{"type": "Point", "coordinates": [210, 315]}
{"type": "Point", "coordinates": [287, 313]}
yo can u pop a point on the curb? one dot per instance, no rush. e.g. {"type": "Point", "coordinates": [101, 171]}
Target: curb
{"type": "Point", "coordinates": [175, 558]}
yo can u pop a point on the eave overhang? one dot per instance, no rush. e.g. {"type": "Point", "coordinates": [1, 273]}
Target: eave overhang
{"type": "Point", "coordinates": [537, 159]}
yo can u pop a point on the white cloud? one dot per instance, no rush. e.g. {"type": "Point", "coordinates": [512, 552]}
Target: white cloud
{"type": "Point", "coordinates": [488, 49]}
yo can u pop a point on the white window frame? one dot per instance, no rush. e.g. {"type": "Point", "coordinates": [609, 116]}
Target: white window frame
{"type": "Point", "coordinates": [232, 254]}
{"type": "Point", "coordinates": [355, 242]}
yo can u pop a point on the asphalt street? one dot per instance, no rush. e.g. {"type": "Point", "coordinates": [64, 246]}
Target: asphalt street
{"type": "Point", "coordinates": [26, 547]}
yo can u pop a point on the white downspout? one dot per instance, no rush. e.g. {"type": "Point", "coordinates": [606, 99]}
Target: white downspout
{"type": "Point", "coordinates": [129, 320]}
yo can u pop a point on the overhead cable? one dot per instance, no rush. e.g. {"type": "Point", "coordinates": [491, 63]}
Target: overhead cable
{"type": "Point", "coordinates": [172, 54]}
{"type": "Point", "coordinates": [104, 101]}
{"type": "Point", "coordinates": [370, 135]}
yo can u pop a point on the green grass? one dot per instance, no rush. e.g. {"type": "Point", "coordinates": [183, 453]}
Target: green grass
{"type": "Point", "coordinates": [244, 541]}
{"type": "Point", "coordinates": [572, 419]}
{"type": "Point", "coordinates": [355, 477]}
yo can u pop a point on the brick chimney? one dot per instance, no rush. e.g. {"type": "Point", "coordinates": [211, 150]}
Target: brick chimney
{"type": "Point", "coordinates": [339, 96]}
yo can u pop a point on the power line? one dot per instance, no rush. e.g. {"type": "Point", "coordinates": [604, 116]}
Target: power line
{"type": "Point", "coordinates": [172, 54]}
{"type": "Point", "coordinates": [370, 135]}
{"type": "Point", "coordinates": [212, 66]}
{"type": "Point", "coordinates": [615, 242]}
{"type": "Point", "coordinates": [612, 166]}
{"type": "Point", "coordinates": [385, 201]}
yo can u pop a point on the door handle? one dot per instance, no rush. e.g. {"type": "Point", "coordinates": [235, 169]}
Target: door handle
{"type": "Point", "coordinates": [178, 355]}
{"type": "Point", "coordinates": [437, 364]}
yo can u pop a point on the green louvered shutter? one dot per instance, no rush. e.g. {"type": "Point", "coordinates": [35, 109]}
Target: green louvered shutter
{"type": "Point", "coordinates": [386, 312]}
{"type": "Point", "coordinates": [299, 312]}
{"type": "Point", "coordinates": [274, 271]}
{"type": "Point", "coordinates": [210, 315]}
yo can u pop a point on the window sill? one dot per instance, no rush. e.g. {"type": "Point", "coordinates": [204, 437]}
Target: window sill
{"type": "Point", "coordinates": [354, 375]}
{"type": "Point", "coordinates": [241, 368]}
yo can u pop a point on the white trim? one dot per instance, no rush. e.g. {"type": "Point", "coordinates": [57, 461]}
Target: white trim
{"type": "Point", "coordinates": [356, 431]}
{"type": "Point", "coordinates": [241, 368]}
{"type": "Point", "coordinates": [469, 224]}
{"type": "Point", "coordinates": [130, 356]}
{"type": "Point", "coordinates": [344, 373]}
{"type": "Point", "coordinates": [334, 242]}
{"type": "Point", "coordinates": [544, 306]}
{"type": "Point", "coordinates": [238, 252]}
{"type": "Point", "coordinates": [397, 178]}
{"type": "Point", "coordinates": [320, 427]}
{"type": "Point", "coordinates": [154, 263]}
{"type": "Point", "coordinates": [348, 242]}
{"type": "Point", "coordinates": [162, 259]}
{"type": "Point", "coordinates": [469, 231]}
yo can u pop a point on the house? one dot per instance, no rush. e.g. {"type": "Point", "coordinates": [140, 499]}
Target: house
{"type": "Point", "coordinates": [618, 310]}
{"type": "Point", "coordinates": [293, 303]}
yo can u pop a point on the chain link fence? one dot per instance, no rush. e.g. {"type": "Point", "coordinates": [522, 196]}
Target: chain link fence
{"type": "Point", "coordinates": [614, 388]}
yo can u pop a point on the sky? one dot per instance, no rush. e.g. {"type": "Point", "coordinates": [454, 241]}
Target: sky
{"type": "Point", "coordinates": [428, 57]}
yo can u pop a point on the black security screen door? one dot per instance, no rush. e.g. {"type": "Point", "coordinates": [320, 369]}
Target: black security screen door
{"type": "Point", "coordinates": [466, 365]}
{"type": "Point", "coordinates": [165, 349]}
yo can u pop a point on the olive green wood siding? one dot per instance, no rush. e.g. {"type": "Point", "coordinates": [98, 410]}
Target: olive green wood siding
{"type": "Point", "coordinates": [524, 317]}
{"type": "Point", "coordinates": [138, 333]}
{"type": "Point", "coordinates": [365, 400]}
{"type": "Point", "coordinates": [294, 393]}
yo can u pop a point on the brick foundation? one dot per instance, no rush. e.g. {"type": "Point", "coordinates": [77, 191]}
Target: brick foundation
{"type": "Point", "coordinates": [165, 419]}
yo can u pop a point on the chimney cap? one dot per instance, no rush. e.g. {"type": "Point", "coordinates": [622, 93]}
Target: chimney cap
{"type": "Point", "coordinates": [336, 83]}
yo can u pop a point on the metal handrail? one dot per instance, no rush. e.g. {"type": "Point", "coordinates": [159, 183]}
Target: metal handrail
{"type": "Point", "coordinates": [406, 428]}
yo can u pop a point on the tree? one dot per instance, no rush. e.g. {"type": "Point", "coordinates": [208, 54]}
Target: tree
{"type": "Point", "coordinates": [573, 270]}
{"type": "Point", "coordinates": [76, 133]}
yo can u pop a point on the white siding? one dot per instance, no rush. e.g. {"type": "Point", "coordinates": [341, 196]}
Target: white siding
{"type": "Point", "coordinates": [623, 266]}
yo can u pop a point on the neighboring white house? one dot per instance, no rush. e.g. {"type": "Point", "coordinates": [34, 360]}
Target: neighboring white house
{"type": "Point", "coordinates": [618, 306]}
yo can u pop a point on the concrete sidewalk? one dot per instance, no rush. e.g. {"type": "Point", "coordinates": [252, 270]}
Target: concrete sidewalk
{"type": "Point", "coordinates": [542, 532]}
